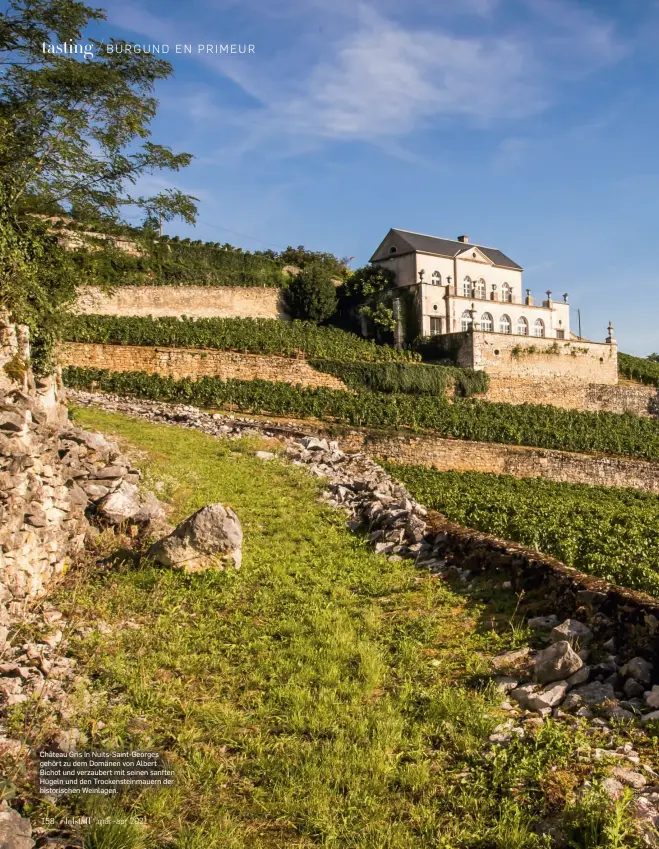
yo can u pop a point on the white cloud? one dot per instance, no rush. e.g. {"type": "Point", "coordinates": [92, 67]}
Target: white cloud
{"type": "Point", "coordinates": [355, 74]}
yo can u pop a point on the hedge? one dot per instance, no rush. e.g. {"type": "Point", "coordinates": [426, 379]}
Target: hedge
{"type": "Point", "coordinates": [406, 378]}
{"type": "Point", "coordinates": [637, 368]}
{"type": "Point", "coordinates": [534, 425]}
{"type": "Point", "coordinates": [249, 335]}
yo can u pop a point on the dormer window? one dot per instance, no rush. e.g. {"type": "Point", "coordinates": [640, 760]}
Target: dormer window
{"type": "Point", "coordinates": [436, 279]}
{"type": "Point", "coordinates": [393, 249]}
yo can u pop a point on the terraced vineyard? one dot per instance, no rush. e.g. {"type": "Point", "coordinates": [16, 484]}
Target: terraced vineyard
{"type": "Point", "coordinates": [612, 533]}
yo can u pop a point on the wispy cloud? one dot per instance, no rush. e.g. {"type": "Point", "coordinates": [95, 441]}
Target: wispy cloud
{"type": "Point", "coordinates": [359, 74]}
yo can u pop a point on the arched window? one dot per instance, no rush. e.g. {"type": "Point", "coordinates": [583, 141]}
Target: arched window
{"type": "Point", "coordinates": [465, 322]}
{"type": "Point", "coordinates": [506, 294]}
{"type": "Point", "coordinates": [466, 287]}
{"type": "Point", "coordinates": [539, 327]}
{"type": "Point", "coordinates": [504, 324]}
{"type": "Point", "coordinates": [481, 289]}
{"type": "Point", "coordinates": [522, 327]}
{"type": "Point", "coordinates": [393, 250]}
{"type": "Point", "coordinates": [487, 322]}
{"type": "Point", "coordinates": [436, 278]}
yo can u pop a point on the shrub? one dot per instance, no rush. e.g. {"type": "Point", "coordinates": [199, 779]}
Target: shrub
{"type": "Point", "coordinates": [535, 425]}
{"type": "Point", "coordinates": [251, 335]}
{"type": "Point", "coordinates": [311, 295]}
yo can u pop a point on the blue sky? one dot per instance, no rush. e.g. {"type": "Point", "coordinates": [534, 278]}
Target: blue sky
{"type": "Point", "coordinates": [530, 125]}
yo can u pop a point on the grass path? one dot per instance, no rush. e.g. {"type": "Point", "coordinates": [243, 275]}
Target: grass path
{"type": "Point", "coordinates": [321, 696]}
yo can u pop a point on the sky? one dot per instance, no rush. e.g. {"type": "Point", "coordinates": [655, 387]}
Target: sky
{"type": "Point", "coordinates": [529, 125]}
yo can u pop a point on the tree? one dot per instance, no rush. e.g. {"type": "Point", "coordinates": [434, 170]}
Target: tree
{"type": "Point", "coordinates": [311, 295]}
{"type": "Point", "coordinates": [370, 291]}
{"type": "Point", "coordinates": [74, 128]}
{"type": "Point", "coordinates": [653, 358]}
{"type": "Point", "coordinates": [37, 279]}
{"type": "Point", "coordinates": [74, 137]}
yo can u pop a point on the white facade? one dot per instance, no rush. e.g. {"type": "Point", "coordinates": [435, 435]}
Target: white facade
{"type": "Point", "coordinates": [458, 285]}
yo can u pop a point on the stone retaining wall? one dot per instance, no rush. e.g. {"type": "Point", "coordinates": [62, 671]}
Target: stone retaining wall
{"type": "Point", "coordinates": [192, 301]}
{"type": "Point", "coordinates": [573, 395]}
{"type": "Point", "coordinates": [516, 460]}
{"type": "Point", "coordinates": [195, 363]}
{"type": "Point", "coordinates": [631, 617]}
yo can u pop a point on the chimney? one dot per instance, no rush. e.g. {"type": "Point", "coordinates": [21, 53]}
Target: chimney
{"type": "Point", "coordinates": [464, 239]}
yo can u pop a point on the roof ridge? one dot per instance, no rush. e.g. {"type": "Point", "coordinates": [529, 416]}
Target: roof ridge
{"type": "Point", "coordinates": [457, 241]}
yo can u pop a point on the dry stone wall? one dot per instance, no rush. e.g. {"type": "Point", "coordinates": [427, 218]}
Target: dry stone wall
{"type": "Point", "coordinates": [195, 363]}
{"type": "Point", "coordinates": [574, 395]}
{"type": "Point", "coordinates": [192, 301]}
{"type": "Point", "coordinates": [52, 477]}
{"type": "Point", "coordinates": [516, 460]}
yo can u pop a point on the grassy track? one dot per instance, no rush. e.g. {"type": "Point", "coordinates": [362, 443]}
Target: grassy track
{"type": "Point", "coordinates": [321, 696]}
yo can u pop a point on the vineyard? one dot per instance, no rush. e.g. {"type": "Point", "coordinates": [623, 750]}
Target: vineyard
{"type": "Point", "coordinates": [246, 335]}
{"type": "Point", "coordinates": [174, 262]}
{"type": "Point", "coordinates": [534, 425]}
{"type": "Point", "coordinates": [638, 369]}
{"type": "Point", "coordinates": [611, 533]}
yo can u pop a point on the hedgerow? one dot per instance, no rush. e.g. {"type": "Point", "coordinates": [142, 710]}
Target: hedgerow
{"type": "Point", "coordinates": [535, 425]}
{"type": "Point", "coordinates": [612, 533]}
{"type": "Point", "coordinates": [250, 335]}
{"type": "Point", "coordinates": [637, 368]}
{"type": "Point", "coordinates": [406, 378]}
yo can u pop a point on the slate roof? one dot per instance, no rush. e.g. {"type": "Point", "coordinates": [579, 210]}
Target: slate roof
{"type": "Point", "coordinates": [413, 242]}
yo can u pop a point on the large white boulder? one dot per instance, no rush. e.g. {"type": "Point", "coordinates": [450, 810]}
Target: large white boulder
{"type": "Point", "coordinates": [211, 538]}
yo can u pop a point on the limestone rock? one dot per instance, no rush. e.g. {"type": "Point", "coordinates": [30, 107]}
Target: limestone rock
{"type": "Point", "coordinates": [152, 511]}
{"type": "Point", "coordinates": [522, 694]}
{"type": "Point", "coordinates": [548, 697]}
{"type": "Point", "coordinates": [632, 689]}
{"type": "Point", "coordinates": [543, 623]}
{"type": "Point", "coordinates": [580, 677]}
{"type": "Point", "coordinates": [652, 697]}
{"type": "Point", "coordinates": [556, 663]}
{"type": "Point", "coordinates": [613, 788]}
{"type": "Point", "coordinates": [595, 693]}
{"type": "Point", "coordinates": [638, 668]}
{"type": "Point", "coordinates": [120, 505]}
{"type": "Point", "coordinates": [629, 777]}
{"type": "Point", "coordinates": [15, 830]}
{"type": "Point", "coordinates": [208, 539]}
{"type": "Point", "coordinates": [573, 631]}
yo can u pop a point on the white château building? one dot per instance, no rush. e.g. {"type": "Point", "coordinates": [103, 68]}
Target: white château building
{"type": "Point", "coordinates": [460, 286]}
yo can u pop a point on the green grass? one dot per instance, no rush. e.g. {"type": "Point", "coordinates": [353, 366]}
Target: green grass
{"type": "Point", "coordinates": [611, 533]}
{"type": "Point", "coordinates": [321, 696]}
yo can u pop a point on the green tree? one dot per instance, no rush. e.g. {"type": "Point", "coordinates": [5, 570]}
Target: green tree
{"type": "Point", "coordinates": [76, 129]}
{"type": "Point", "coordinates": [369, 291]}
{"type": "Point", "coordinates": [74, 136]}
{"type": "Point", "coordinates": [37, 280]}
{"type": "Point", "coordinates": [311, 295]}
{"type": "Point", "coordinates": [653, 358]}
